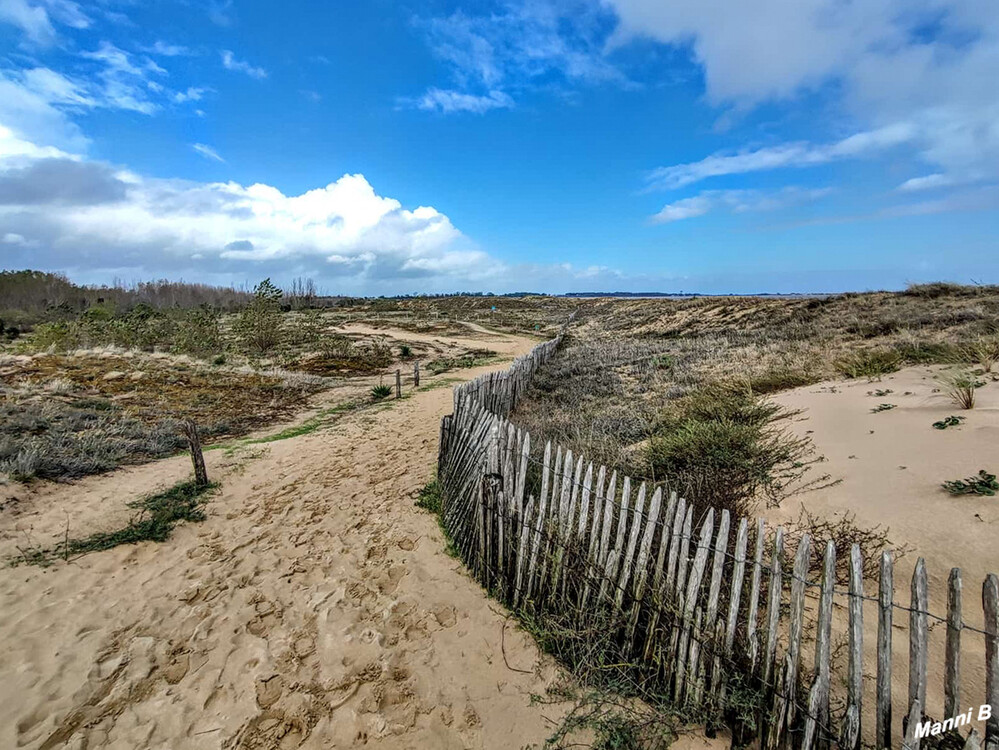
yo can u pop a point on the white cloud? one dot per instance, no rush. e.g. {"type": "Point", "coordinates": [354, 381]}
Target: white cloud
{"type": "Point", "coordinates": [926, 182]}
{"type": "Point", "coordinates": [783, 156]}
{"type": "Point", "coordinates": [685, 208]}
{"type": "Point", "coordinates": [12, 147]}
{"type": "Point", "coordinates": [167, 50]}
{"type": "Point", "coordinates": [35, 19]}
{"type": "Point", "coordinates": [522, 46]}
{"type": "Point", "coordinates": [208, 152]}
{"type": "Point", "coordinates": [229, 62]}
{"type": "Point", "coordinates": [125, 84]}
{"type": "Point", "coordinates": [928, 63]}
{"type": "Point", "coordinates": [193, 94]}
{"type": "Point", "coordinates": [455, 101]}
{"type": "Point", "coordinates": [736, 201]}
{"type": "Point", "coordinates": [94, 216]}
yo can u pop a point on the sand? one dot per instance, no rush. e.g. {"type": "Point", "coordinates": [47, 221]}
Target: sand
{"type": "Point", "coordinates": [891, 465]}
{"type": "Point", "coordinates": [314, 608]}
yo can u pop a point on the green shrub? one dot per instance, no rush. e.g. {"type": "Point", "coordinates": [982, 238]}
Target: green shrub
{"type": "Point", "coordinates": [778, 380]}
{"type": "Point", "coordinates": [950, 421]}
{"type": "Point", "coordinates": [259, 324]}
{"type": "Point", "coordinates": [724, 445]}
{"type": "Point", "coordinates": [381, 391]}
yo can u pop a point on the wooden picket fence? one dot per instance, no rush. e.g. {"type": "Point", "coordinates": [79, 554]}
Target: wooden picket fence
{"type": "Point", "coordinates": [701, 606]}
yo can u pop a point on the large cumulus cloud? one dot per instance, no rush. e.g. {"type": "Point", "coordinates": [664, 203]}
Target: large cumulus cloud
{"type": "Point", "coordinates": [70, 212]}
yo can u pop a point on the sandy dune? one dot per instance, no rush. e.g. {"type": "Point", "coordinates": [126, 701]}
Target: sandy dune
{"type": "Point", "coordinates": [891, 464]}
{"type": "Point", "coordinates": [314, 607]}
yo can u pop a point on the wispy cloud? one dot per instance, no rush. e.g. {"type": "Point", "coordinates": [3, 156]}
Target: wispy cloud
{"type": "Point", "coordinates": [192, 94]}
{"type": "Point", "coordinates": [168, 50]}
{"type": "Point", "coordinates": [208, 152]}
{"type": "Point", "coordinates": [786, 155]}
{"type": "Point", "coordinates": [229, 62]}
{"type": "Point", "coordinates": [927, 182]}
{"type": "Point", "coordinates": [455, 101]}
{"type": "Point", "coordinates": [737, 201]}
{"type": "Point", "coordinates": [125, 79]}
{"type": "Point", "coordinates": [523, 46]}
{"type": "Point", "coordinates": [35, 20]}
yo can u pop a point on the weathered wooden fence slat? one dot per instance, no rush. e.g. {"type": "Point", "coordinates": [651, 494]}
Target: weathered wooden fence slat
{"type": "Point", "coordinates": [886, 597]}
{"type": "Point", "coordinates": [555, 534]}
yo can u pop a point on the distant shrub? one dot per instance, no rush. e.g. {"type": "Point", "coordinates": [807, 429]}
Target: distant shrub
{"type": "Point", "coordinates": [200, 333]}
{"type": "Point", "coordinates": [937, 289]}
{"type": "Point", "coordinates": [259, 323]}
{"type": "Point", "coordinates": [405, 352]}
{"type": "Point", "coordinates": [60, 336]}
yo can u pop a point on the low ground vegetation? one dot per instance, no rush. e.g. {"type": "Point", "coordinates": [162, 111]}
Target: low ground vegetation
{"type": "Point", "coordinates": [633, 383]}
{"type": "Point", "coordinates": [154, 519]}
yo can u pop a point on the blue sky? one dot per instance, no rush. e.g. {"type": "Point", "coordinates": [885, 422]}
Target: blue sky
{"type": "Point", "coordinates": [385, 147]}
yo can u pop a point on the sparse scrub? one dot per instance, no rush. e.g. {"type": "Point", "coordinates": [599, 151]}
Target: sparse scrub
{"type": "Point", "coordinates": [844, 532]}
{"type": "Point", "coordinates": [883, 407]}
{"type": "Point", "coordinates": [474, 358]}
{"type": "Point", "coordinates": [983, 351]}
{"type": "Point", "coordinates": [946, 422]}
{"type": "Point", "coordinates": [155, 517]}
{"type": "Point", "coordinates": [869, 364]}
{"type": "Point", "coordinates": [960, 387]}
{"type": "Point", "coordinates": [982, 484]}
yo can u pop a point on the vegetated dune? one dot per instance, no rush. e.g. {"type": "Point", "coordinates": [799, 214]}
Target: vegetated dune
{"type": "Point", "coordinates": [315, 607]}
{"type": "Point", "coordinates": [892, 463]}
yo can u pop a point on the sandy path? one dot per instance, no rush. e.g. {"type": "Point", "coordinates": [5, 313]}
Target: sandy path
{"type": "Point", "coordinates": [314, 608]}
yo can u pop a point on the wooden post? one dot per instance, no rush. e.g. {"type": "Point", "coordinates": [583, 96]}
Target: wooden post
{"type": "Point", "coordinates": [952, 668]}
{"type": "Point", "coordinates": [886, 593]}
{"type": "Point", "coordinates": [197, 457]}
{"type": "Point", "coordinates": [799, 574]}
{"type": "Point", "coordinates": [918, 632]}
{"type": "Point", "coordinates": [398, 384]}
{"type": "Point", "coordinates": [416, 374]}
{"type": "Point", "coordinates": [850, 734]}
{"type": "Point", "coordinates": [773, 606]}
{"type": "Point", "coordinates": [754, 596]}
{"type": "Point", "coordinates": [990, 603]}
